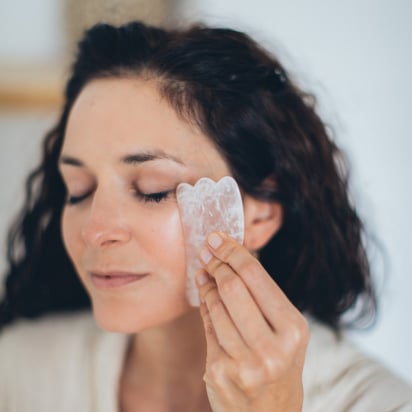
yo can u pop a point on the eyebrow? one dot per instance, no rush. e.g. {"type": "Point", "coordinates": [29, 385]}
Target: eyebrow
{"type": "Point", "coordinates": [130, 159]}
{"type": "Point", "coordinates": [148, 156]}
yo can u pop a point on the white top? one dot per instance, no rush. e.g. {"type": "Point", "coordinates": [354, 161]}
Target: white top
{"type": "Point", "coordinates": [66, 363]}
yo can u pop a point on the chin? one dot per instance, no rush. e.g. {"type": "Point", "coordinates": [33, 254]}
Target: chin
{"type": "Point", "coordinates": [130, 318]}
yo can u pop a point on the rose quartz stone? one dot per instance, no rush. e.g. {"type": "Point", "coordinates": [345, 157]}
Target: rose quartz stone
{"type": "Point", "coordinates": [206, 207]}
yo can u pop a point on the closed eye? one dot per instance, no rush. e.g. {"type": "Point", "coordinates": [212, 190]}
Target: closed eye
{"type": "Point", "coordinates": [153, 197]}
{"type": "Point", "coordinates": [145, 197]}
{"type": "Point", "coordinates": [73, 200]}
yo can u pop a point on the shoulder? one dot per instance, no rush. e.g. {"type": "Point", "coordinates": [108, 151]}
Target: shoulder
{"type": "Point", "coordinates": [56, 356]}
{"type": "Point", "coordinates": [52, 323]}
{"type": "Point", "coordinates": [340, 377]}
{"type": "Point", "coordinates": [47, 335]}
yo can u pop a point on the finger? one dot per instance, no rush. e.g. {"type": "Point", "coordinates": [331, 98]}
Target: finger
{"type": "Point", "coordinates": [240, 305]}
{"type": "Point", "coordinates": [270, 299]}
{"type": "Point", "coordinates": [225, 331]}
{"type": "Point", "coordinates": [212, 345]}
{"type": "Point", "coordinates": [220, 368]}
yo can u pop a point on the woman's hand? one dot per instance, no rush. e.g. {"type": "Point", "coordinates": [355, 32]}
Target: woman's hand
{"type": "Point", "coordinates": [256, 338]}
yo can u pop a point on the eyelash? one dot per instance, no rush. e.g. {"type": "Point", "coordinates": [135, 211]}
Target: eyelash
{"type": "Point", "coordinates": [73, 200]}
{"type": "Point", "coordinates": [147, 198]}
{"type": "Point", "coordinates": [153, 197]}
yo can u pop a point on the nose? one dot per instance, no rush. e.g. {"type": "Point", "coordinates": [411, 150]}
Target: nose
{"type": "Point", "coordinates": [106, 224]}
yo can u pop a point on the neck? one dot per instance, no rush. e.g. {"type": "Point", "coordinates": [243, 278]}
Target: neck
{"type": "Point", "coordinates": [169, 356]}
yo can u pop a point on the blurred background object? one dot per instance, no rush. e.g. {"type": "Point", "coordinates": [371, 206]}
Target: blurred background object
{"type": "Point", "coordinates": [37, 40]}
{"type": "Point", "coordinates": [354, 55]}
{"type": "Point", "coordinates": [80, 14]}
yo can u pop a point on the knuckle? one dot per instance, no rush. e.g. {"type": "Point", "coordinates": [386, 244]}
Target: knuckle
{"type": "Point", "coordinates": [227, 251]}
{"type": "Point", "coordinates": [229, 284]}
{"type": "Point", "coordinates": [212, 266]}
{"type": "Point", "coordinates": [273, 367]}
{"type": "Point", "coordinates": [249, 378]}
{"type": "Point", "coordinates": [250, 268]}
{"type": "Point", "coordinates": [246, 380]}
{"type": "Point", "coordinates": [272, 363]}
{"type": "Point", "coordinates": [294, 336]}
{"type": "Point", "coordinates": [216, 374]}
{"type": "Point", "coordinates": [214, 305]}
{"type": "Point", "coordinates": [219, 269]}
{"type": "Point", "coordinates": [298, 332]}
{"type": "Point", "coordinates": [208, 291]}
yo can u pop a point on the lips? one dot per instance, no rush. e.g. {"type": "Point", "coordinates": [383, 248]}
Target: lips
{"type": "Point", "coordinates": [109, 280]}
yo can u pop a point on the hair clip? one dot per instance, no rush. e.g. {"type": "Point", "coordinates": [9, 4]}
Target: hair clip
{"type": "Point", "coordinates": [275, 80]}
{"type": "Point", "coordinates": [280, 75]}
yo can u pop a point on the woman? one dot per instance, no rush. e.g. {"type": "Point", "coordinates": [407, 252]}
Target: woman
{"type": "Point", "coordinates": [146, 109]}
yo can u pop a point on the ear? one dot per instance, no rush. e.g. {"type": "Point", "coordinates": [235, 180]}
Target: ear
{"type": "Point", "coordinates": [262, 220]}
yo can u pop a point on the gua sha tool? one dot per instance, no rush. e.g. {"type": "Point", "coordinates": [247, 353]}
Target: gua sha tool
{"type": "Point", "coordinates": [206, 207]}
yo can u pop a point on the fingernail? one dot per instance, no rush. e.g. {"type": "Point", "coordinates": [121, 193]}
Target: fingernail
{"type": "Point", "coordinates": [205, 255]}
{"type": "Point", "coordinates": [214, 240]}
{"type": "Point", "coordinates": [202, 278]}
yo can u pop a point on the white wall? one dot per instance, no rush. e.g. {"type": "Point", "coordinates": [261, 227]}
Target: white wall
{"type": "Point", "coordinates": [21, 134]}
{"type": "Point", "coordinates": [356, 56]}
{"type": "Point", "coordinates": [30, 30]}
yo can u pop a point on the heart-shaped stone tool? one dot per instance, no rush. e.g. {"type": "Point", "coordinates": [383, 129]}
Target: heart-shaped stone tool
{"type": "Point", "coordinates": [206, 207]}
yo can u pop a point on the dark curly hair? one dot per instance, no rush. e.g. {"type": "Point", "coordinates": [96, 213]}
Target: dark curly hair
{"type": "Point", "coordinates": [263, 125]}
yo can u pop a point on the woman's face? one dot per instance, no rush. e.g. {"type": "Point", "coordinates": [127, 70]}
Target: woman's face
{"type": "Point", "coordinates": [125, 150]}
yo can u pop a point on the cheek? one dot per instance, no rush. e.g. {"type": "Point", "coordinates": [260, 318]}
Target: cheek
{"type": "Point", "coordinates": [167, 239]}
{"type": "Point", "coordinates": [70, 234]}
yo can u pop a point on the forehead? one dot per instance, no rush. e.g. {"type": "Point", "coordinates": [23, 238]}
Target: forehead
{"type": "Point", "coordinates": [123, 109]}
{"type": "Point", "coordinates": [117, 115]}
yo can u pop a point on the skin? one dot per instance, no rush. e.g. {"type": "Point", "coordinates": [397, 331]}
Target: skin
{"type": "Point", "coordinates": [244, 350]}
